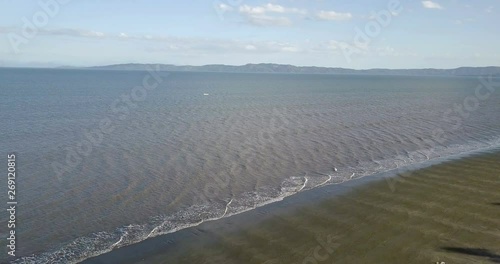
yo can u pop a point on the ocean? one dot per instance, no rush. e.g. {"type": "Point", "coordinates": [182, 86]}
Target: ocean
{"type": "Point", "coordinates": [107, 159]}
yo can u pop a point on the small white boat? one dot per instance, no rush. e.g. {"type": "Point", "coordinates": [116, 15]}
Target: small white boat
{"type": "Point", "coordinates": [334, 169]}
{"type": "Point", "coordinates": [205, 94]}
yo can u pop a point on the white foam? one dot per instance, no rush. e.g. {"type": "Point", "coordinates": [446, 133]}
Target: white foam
{"type": "Point", "coordinates": [227, 207]}
{"type": "Point", "coordinates": [304, 185]}
{"type": "Point", "coordinates": [152, 232]}
{"type": "Point", "coordinates": [325, 182]}
{"type": "Point", "coordinates": [119, 241]}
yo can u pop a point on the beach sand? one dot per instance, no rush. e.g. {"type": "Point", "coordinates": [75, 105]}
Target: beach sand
{"type": "Point", "coordinates": [445, 213]}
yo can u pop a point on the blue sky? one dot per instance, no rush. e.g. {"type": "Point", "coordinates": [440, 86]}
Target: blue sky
{"type": "Point", "coordinates": [339, 33]}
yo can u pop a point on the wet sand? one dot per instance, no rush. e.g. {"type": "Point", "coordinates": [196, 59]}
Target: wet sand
{"type": "Point", "coordinates": [445, 213]}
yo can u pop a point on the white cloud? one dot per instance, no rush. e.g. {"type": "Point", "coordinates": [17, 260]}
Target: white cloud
{"type": "Point", "coordinates": [278, 15]}
{"type": "Point", "coordinates": [258, 10]}
{"type": "Point", "coordinates": [224, 7]}
{"type": "Point", "coordinates": [269, 8]}
{"type": "Point", "coordinates": [69, 32]}
{"type": "Point", "coordinates": [431, 5]}
{"type": "Point", "coordinates": [250, 47]}
{"type": "Point", "coordinates": [184, 45]}
{"type": "Point", "coordinates": [264, 20]}
{"type": "Point", "coordinates": [269, 14]}
{"type": "Point", "coordinates": [332, 15]}
{"type": "Point", "coordinates": [334, 45]}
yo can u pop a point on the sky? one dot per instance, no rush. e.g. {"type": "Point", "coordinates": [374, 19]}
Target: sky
{"type": "Point", "coordinates": [338, 33]}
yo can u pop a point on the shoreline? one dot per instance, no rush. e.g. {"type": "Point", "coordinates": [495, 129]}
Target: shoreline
{"type": "Point", "coordinates": [179, 240]}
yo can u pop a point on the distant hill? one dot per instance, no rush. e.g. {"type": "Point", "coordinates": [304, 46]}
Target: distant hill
{"type": "Point", "coordinates": [281, 68]}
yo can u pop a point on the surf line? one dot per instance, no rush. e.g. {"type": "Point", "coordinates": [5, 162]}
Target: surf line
{"type": "Point", "coordinates": [195, 224]}
{"type": "Point", "coordinates": [154, 229]}
{"type": "Point", "coordinates": [227, 207]}
{"type": "Point", "coordinates": [305, 182]}
{"type": "Point", "coordinates": [323, 183]}
{"type": "Point", "coordinates": [121, 239]}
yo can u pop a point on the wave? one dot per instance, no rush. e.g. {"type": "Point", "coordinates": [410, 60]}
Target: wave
{"type": "Point", "coordinates": [102, 242]}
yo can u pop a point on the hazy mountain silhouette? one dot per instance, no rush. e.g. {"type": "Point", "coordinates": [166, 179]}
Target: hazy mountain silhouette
{"type": "Point", "coordinates": [281, 68]}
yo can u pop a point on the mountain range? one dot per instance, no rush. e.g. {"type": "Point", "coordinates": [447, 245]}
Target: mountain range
{"type": "Point", "coordinates": [282, 68]}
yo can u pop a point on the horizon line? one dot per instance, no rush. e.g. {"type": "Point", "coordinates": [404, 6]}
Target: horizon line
{"type": "Point", "coordinates": [240, 65]}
